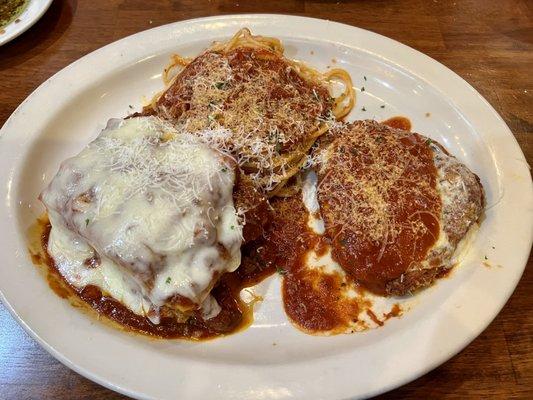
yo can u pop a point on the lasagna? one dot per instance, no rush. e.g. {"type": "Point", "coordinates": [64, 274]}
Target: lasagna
{"type": "Point", "coordinates": [146, 214]}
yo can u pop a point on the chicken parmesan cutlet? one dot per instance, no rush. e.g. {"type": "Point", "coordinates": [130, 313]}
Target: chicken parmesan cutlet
{"type": "Point", "coordinates": [396, 205]}
{"type": "Point", "coordinates": [273, 107]}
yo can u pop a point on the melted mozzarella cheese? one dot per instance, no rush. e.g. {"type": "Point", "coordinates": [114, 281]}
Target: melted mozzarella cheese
{"type": "Point", "coordinates": [451, 192]}
{"type": "Point", "coordinates": [153, 209]}
{"type": "Point", "coordinates": [310, 200]}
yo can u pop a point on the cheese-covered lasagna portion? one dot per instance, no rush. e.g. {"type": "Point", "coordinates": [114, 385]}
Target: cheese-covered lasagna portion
{"type": "Point", "coordinates": [145, 213]}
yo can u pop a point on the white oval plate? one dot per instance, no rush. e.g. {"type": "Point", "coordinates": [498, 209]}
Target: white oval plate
{"type": "Point", "coordinates": [270, 360]}
{"type": "Point", "coordinates": [33, 12]}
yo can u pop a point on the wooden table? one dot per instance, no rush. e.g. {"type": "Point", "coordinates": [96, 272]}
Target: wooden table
{"type": "Point", "coordinates": [488, 43]}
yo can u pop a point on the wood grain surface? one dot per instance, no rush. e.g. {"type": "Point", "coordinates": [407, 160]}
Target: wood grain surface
{"type": "Point", "coordinates": [488, 43]}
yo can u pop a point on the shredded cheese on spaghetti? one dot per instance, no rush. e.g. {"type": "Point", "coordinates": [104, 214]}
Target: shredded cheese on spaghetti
{"type": "Point", "coordinates": [275, 108]}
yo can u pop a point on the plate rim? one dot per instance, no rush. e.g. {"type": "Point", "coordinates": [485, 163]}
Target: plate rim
{"type": "Point", "coordinates": [253, 17]}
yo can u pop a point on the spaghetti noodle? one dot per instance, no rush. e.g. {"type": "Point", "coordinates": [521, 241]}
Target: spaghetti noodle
{"type": "Point", "coordinates": [275, 108]}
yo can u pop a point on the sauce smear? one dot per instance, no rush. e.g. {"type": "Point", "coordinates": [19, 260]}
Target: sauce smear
{"type": "Point", "coordinates": [315, 300]}
{"type": "Point", "coordinates": [398, 123]}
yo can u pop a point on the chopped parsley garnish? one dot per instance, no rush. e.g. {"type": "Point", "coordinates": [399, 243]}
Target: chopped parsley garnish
{"type": "Point", "coordinates": [428, 141]}
{"type": "Point", "coordinates": [130, 106]}
{"type": "Point", "coordinates": [224, 169]}
{"type": "Point", "coordinates": [273, 137]}
{"type": "Point", "coordinates": [169, 279]}
{"type": "Point", "coordinates": [486, 258]}
{"type": "Point", "coordinates": [221, 85]}
{"type": "Point", "coordinates": [87, 222]}
{"type": "Point", "coordinates": [364, 77]}
{"type": "Point", "coordinates": [281, 271]}
{"type": "Point", "coordinates": [362, 88]}
{"type": "Point", "coordinates": [379, 139]}
{"type": "Point", "coordinates": [363, 109]}
{"type": "Point", "coordinates": [382, 106]}
{"type": "Point", "coordinates": [232, 227]}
